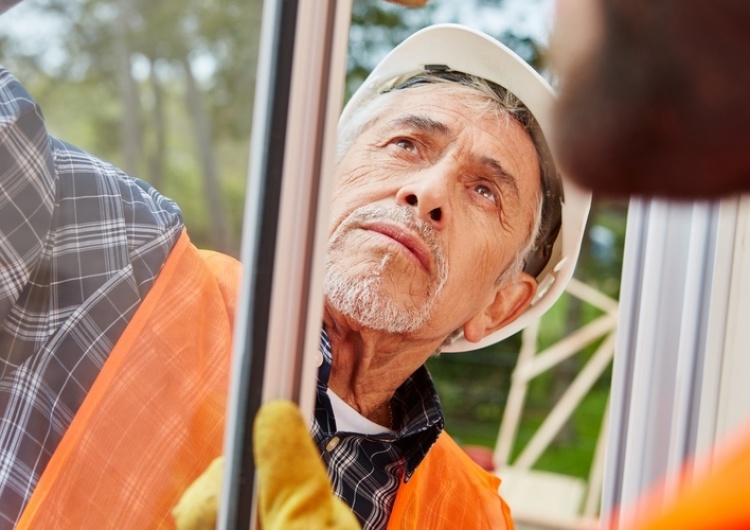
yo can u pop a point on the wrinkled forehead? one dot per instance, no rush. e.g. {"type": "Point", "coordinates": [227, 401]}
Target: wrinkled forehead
{"type": "Point", "coordinates": [466, 103]}
{"type": "Point", "coordinates": [478, 129]}
{"type": "Point", "coordinates": [449, 108]}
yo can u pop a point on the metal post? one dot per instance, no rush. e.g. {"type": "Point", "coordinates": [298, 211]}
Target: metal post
{"type": "Point", "coordinates": [298, 100]}
{"type": "Point", "coordinates": [670, 253]}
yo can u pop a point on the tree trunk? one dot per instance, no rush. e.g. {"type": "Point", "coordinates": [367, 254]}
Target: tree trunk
{"type": "Point", "coordinates": [218, 228]}
{"type": "Point", "coordinates": [156, 160]}
{"type": "Point", "coordinates": [130, 136]}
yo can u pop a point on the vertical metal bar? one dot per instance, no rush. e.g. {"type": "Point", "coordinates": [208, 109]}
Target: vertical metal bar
{"type": "Point", "coordinates": [725, 402]}
{"type": "Point", "coordinates": [298, 100]}
{"type": "Point", "coordinates": [734, 399]}
{"type": "Point", "coordinates": [721, 293]}
{"type": "Point", "coordinates": [670, 250]}
{"type": "Point", "coordinates": [622, 372]}
{"type": "Point", "coordinates": [259, 240]}
{"type": "Point", "coordinates": [315, 105]}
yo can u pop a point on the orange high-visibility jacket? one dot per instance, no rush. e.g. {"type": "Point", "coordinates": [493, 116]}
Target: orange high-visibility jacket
{"type": "Point", "coordinates": [717, 500]}
{"type": "Point", "coordinates": [449, 491]}
{"type": "Point", "coordinates": [154, 420]}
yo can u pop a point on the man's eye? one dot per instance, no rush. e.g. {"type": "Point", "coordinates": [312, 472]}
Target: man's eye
{"type": "Point", "coordinates": [486, 192]}
{"type": "Point", "coordinates": [405, 144]}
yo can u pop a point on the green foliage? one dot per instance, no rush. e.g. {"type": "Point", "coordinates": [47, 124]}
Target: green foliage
{"type": "Point", "coordinates": [106, 45]}
{"type": "Point", "coordinates": [474, 385]}
{"type": "Point", "coordinates": [376, 28]}
{"type": "Point", "coordinates": [572, 455]}
{"type": "Point", "coordinates": [601, 262]}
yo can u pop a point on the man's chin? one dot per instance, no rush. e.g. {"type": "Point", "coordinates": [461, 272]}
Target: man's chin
{"type": "Point", "coordinates": [386, 318]}
{"type": "Point", "coordinates": [363, 303]}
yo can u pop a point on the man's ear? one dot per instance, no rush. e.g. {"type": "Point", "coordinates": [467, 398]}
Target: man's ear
{"type": "Point", "coordinates": [510, 300]}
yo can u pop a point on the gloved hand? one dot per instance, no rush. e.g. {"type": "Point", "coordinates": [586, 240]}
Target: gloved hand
{"type": "Point", "coordinates": [294, 492]}
{"type": "Point", "coordinates": [196, 509]}
{"type": "Point", "coordinates": [293, 488]}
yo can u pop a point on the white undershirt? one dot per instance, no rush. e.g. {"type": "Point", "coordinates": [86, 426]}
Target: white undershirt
{"type": "Point", "coordinates": [349, 420]}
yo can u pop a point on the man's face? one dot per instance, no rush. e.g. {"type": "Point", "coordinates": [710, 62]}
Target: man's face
{"type": "Point", "coordinates": [433, 201]}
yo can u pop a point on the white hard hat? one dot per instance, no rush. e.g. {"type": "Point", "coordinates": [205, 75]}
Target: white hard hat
{"type": "Point", "coordinates": [456, 48]}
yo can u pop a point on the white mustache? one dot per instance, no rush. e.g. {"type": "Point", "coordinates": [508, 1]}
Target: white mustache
{"type": "Point", "coordinates": [406, 217]}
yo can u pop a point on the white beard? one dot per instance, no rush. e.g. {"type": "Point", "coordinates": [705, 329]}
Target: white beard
{"type": "Point", "coordinates": [359, 294]}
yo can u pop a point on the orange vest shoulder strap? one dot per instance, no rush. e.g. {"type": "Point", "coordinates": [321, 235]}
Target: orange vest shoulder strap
{"type": "Point", "coordinates": [154, 418]}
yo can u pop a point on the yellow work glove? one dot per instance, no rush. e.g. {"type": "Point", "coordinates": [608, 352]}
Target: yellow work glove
{"type": "Point", "coordinates": [293, 488]}
{"type": "Point", "coordinates": [294, 492]}
{"type": "Point", "coordinates": [196, 509]}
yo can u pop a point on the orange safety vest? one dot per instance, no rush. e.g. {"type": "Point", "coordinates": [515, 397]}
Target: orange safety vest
{"type": "Point", "coordinates": [154, 420]}
{"type": "Point", "coordinates": [718, 500]}
{"type": "Point", "coordinates": [154, 417]}
{"type": "Point", "coordinates": [448, 491]}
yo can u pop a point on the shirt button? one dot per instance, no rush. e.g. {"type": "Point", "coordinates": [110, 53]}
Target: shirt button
{"type": "Point", "coordinates": [332, 444]}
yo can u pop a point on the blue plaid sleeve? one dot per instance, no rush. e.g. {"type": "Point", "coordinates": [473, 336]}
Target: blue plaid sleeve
{"type": "Point", "coordinates": [26, 189]}
{"type": "Point", "coordinates": [81, 244]}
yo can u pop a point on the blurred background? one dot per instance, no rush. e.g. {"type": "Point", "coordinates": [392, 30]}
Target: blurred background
{"type": "Point", "coordinates": [165, 91]}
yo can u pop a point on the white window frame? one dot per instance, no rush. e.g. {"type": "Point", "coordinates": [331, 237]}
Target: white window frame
{"type": "Point", "coordinates": [680, 368]}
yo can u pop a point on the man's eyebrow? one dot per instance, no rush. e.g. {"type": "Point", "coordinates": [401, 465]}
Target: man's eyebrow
{"type": "Point", "coordinates": [496, 171]}
{"type": "Point", "coordinates": [421, 123]}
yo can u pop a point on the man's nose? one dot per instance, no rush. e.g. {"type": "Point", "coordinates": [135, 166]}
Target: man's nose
{"type": "Point", "coordinates": [429, 193]}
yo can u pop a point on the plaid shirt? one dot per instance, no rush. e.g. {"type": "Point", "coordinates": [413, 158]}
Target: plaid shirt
{"type": "Point", "coordinates": [80, 246]}
{"type": "Point", "coordinates": [366, 470]}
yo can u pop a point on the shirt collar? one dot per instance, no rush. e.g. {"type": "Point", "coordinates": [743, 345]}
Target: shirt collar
{"type": "Point", "coordinates": [416, 404]}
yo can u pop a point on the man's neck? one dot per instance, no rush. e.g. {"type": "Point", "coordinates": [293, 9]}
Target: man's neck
{"type": "Point", "coordinates": [368, 366]}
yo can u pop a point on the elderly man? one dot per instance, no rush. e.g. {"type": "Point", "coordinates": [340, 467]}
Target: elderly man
{"type": "Point", "coordinates": [450, 229]}
{"type": "Point", "coordinates": [438, 232]}
{"type": "Point", "coordinates": [445, 217]}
